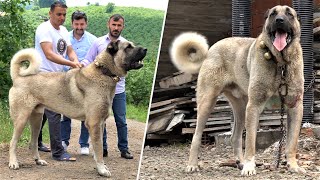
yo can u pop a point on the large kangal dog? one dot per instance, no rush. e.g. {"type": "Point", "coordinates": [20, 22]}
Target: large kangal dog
{"type": "Point", "coordinates": [84, 94]}
{"type": "Point", "coordinates": [238, 67]}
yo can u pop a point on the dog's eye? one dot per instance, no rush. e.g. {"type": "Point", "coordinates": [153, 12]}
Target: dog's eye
{"type": "Point", "coordinates": [273, 13]}
{"type": "Point", "coordinates": [129, 46]}
{"type": "Point", "coordinates": [289, 14]}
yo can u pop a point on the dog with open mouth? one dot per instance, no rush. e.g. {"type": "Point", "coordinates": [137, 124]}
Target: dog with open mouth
{"type": "Point", "coordinates": [84, 93]}
{"type": "Point", "coordinates": [248, 71]}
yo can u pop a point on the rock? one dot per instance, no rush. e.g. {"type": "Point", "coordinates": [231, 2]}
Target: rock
{"type": "Point", "coordinates": [316, 132]}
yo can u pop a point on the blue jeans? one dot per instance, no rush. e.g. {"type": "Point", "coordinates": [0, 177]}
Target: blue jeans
{"type": "Point", "coordinates": [84, 133]}
{"type": "Point", "coordinates": [119, 111]}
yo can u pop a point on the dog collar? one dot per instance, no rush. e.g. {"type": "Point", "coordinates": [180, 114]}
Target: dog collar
{"type": "Point", "coordinates": [268, 55]}
{"type": "Point", "coordinates": [107, 72]}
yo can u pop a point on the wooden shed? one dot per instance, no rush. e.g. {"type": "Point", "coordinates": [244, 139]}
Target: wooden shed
{"type": "Point", "coordinates": [213, 19]}
{"type": "Point", "coordinates": [210, 18]}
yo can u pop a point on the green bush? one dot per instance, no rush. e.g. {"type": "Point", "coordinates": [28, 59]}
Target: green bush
{"type": "Point", "coordinates": [15, 34]}
{"type": "Point", "coordinates": [35, 8]}
{"type": "Point", "coordinates": [110, 7]}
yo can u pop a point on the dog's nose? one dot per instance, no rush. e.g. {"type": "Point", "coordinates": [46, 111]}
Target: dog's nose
{"type": "Point", "coordinates": [145, 50]}
{"type": "Point", "coordinates": [279, 20]}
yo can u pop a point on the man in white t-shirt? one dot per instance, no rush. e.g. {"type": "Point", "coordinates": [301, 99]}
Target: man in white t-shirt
{"type": "Point", "coordinates": [53, 43]}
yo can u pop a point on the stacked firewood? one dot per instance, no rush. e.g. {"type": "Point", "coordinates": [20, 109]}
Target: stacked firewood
{"type": "Point", "coordinates": [173, 110]}
{"type": "Point", "coordinates": [316, 56]}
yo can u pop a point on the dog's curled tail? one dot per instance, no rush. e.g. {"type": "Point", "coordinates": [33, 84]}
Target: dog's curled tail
{"type": "Point", "coordinates": [188, 51]}
{"type": "Point", "coordinates": [29, 55]}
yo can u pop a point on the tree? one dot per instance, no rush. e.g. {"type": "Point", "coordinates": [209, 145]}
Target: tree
{"type": "Point", "coordinates": [110, 7]}
{"type": "Point", "coordinates": [14, 33]}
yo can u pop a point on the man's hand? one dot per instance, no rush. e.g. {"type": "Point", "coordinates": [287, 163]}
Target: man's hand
{"type": "Point", "coordinates": [76, 64]}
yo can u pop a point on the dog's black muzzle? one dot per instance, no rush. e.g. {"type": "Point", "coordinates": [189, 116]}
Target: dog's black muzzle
{"type": "Point", "coordinates": [281, 25]}
{"type": "Point", "coordinates": [137, 61]}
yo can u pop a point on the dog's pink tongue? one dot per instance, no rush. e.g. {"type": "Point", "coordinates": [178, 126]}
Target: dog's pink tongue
{"type": "Point", "coordinates": [280, 41]}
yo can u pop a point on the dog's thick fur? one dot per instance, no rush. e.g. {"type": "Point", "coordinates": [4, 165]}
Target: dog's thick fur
{"type": "Point", "coordinates": [237, 67]}
{"type": "Point", "coordinates": [84, 94]}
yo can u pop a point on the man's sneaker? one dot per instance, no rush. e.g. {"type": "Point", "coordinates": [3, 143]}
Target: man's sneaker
{"type": "Point", "coordinates": [126, 155]}
{"type": "Point", "coordinates": [65, 146]}
{"type": "Point", "coordinates": [105, 152]}
{"type": "Point", "coordinates": [84, 151]}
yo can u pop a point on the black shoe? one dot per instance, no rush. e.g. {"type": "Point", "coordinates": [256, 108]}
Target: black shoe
{"type": "Point", "coordinates": [44, 148]}
{"type": "Point", "coordinates": [126, 155]}
{"type": "Point", "coordinates": [105, 153]}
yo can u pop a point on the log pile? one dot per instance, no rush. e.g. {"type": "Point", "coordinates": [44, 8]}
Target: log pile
{"type": "Point", "coordinates": [316, 56]}
{"type": "Point", "coordinates": [173, 112]}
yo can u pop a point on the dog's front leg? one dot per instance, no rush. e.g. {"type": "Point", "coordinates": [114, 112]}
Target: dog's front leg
{"type": "Point", "coordinates": [294, 125]}
{"type": "Point", "coordinates": [252, 119]}
{"type": "Point", "coordinates": [95, 128]}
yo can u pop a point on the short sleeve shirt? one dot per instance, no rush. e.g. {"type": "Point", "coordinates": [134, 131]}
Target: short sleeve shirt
{"type": "Point", "coordinates": [60, 41]}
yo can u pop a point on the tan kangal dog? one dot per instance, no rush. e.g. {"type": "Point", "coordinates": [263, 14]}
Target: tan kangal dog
{"type": "Point", "coordinates": [239, 68]}
{"type": "Point", "coordinates": [84, 94]}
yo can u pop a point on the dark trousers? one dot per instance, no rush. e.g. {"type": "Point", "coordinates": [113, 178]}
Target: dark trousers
{"type": "Point", "coordinates": [44, 119]}
{"type": "Point", "coordinates": [55, 133]}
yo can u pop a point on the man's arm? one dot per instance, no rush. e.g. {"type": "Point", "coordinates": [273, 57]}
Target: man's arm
{"type": "Point", "coordinates": [72, 55]}
{"type": "Point", "coordinates": [50, 55]}
{"type": "Point", "coordinates": [91, 54]}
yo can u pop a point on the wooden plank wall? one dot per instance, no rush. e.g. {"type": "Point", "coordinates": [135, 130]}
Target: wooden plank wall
{"type": "Point", "coordinates": [210, 18]}
{"type": "Point", "coordinates": [258, 11]}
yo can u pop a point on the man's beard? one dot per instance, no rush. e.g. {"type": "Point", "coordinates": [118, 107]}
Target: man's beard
{"type": "Point", "coordinates": [77, 32]}
{"type": "Point", "coordinates": [114, 35]}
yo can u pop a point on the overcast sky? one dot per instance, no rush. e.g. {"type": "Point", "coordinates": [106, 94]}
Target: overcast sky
{"type": "Point", "coordinates": [153, 4]}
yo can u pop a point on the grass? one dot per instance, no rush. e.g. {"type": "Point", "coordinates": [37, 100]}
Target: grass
{"type": "Point", "coordinates": [138, 113]}
{"type": "Point", "coordinates": [7, 127]}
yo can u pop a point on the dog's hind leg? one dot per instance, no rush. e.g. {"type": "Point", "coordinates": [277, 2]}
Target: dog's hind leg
{"type": "Point", "coordinates": [35, 123]}
{"type": "Point", "coordinates": [239, 109]}
{"type": "Point", "coordinates": [95, 127]}
{"type": "Point", "coordinates": [206, 100]}
{"type": "Point", "coordinates": [19, 122]}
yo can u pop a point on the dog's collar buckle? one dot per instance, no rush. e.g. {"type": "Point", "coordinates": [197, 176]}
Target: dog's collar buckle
{"type": "Point", "coordinates": [115, 78]}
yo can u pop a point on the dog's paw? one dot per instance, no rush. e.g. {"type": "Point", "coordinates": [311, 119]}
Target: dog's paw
{"type": "Point", "coordinates": [248, 169]}
{"type": "Point", "coordinates": [103, 170]}
{"type": "Point", "coordinates": [191, 169]}
{"type": "Point", "coordinates": [296, 169]}
{"type": "Point", "coordinates": [13, 165]}
{"type": "Point", "coordinates": [41, 162]}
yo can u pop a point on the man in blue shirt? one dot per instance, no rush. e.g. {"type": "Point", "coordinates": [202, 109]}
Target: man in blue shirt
{"type": "Point", "coordinates": [115, 25]}
{"type": "Point", "coordinates": [81, 41]}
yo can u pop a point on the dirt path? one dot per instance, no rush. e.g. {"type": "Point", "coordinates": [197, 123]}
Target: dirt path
{"type": "Point", "coordinates": [84, 167]}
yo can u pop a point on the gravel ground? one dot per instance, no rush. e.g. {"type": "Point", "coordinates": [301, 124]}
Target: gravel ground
{"type": "Point", "coordinates": [169, 162]}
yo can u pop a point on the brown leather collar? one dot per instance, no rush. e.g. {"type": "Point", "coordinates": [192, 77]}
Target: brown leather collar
{"type": "Point", "coordinates": [107, 72]}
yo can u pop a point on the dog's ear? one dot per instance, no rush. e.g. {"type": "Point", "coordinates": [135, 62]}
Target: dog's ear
{"type": "Point", "coordinates": [266, 14]}
{"type": "Point", "coordinates": [298, 18]}
{"type": "Point", "coordinates": [113, 47]}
